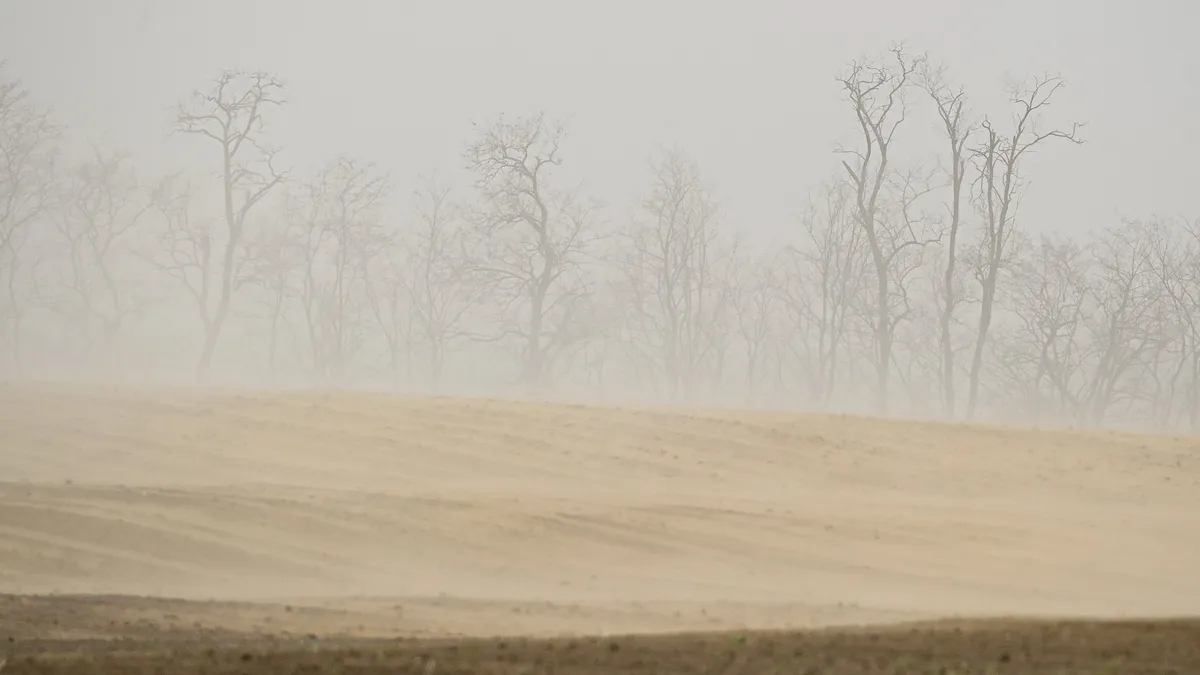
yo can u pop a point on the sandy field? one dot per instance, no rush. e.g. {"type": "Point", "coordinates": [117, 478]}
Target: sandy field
{"type": "Point", "coordinates": [303, 515]}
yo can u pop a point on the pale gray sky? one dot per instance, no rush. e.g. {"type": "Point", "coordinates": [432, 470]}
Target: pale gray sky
{"type": "Point", "coordinates": [747, 87]}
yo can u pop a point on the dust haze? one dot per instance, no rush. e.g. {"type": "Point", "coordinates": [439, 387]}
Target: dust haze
{"type": "Point", "coordinates": [536, 318]}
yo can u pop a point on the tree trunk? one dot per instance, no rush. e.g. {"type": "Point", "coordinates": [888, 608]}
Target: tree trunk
{"type": "Point", "coordinates": [227, 262]}
{"type": "Point", "coordinates": [948, 399]}
{"type": "Point", "coordinates": [882, 335]}
{"type": "Point", "coordinates": [947, 354]}
{"type": "Point", "coordinates": [985, 323]}
{"type": "Point", "coordinates": [206, 355]}
{"type": "Point", "coordinates": [274, 345]}
{"type": "Point", "coordinates": [533, 346]}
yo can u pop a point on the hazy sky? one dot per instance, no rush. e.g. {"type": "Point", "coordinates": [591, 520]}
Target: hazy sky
{"type": "Point", "coordinates": [747, 87]}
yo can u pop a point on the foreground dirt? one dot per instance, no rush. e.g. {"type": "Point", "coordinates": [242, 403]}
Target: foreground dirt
{"type": "Point", "coordinates": [145, 646]}
{"type": "Point", "coordinates": [86, 619]}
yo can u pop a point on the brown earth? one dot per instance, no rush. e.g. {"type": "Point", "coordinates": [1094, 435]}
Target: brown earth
{"type": "Point", "coordinates": [156, 638]}
{"type": "Point", "coordinates": [374, 516]}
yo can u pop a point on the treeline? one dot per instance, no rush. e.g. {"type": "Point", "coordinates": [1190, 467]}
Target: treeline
{"type": "Point", "coordinates": [903, 287]}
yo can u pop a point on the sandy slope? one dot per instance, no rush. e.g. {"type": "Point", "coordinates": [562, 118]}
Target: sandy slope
{"type": "Point", "coordinates": [775, 518]}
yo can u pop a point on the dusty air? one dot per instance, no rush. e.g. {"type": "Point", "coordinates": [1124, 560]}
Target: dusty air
{"type": "Point", "coordinates": [561, 337]}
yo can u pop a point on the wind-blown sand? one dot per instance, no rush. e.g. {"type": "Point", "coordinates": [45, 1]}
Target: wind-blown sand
{"type": "Point", "coordinates": [482, 516]}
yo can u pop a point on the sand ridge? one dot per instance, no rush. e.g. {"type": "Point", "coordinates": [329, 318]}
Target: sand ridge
{"type": "Point", "coordinates": [271, 495]}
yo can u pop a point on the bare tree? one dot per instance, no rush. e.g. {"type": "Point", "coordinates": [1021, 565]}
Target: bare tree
{"type": "Point", "coordinates": [1043, 359]}
{"type": "Point", "coordinates": [917, 355]}
{"type": "Point", "coordinates": [28, 153]}
{"type": "Point", "coordinates": [595, 356]}
{"type": "Point", "coordinates": [391, 306]}
{"type": "Point", "coordinates": [1122, 322]}
{"type": "Point", "coordinates": [959, 336]}
{"type": "Point", "coordinates": [102, 207]}
{"type": "Point", "coordinates": [875, 91]}
{"type": "Point", "coordinates": [755, 299]}
{"type": "Point", "coordinates": [185, 250]}
{"type": "Point", "coordinates": [1100, 334]}
{"type": "Point", "coordinates": [822, 280]}
{"type": "Point", "coordinates": [531, 242]}
{"type": "Point", "coordinates": [341, 234]}
{"type": "Point", "coordinates": [423, 292]}
{"type": "Point", "coordinates": [1177, 266]}
{"type": "Point", "coordinates": [437, 276]}
{"type": "Point", "coordinates": [957, 126]}
{"type": "Point", "coordinates": [231, 115]}
{"type": "Point", "coordinates": [275, 262]}
{"type": "Point", "coordinates": [672, 262]}
{"type": "Point", "coordinates": [910, 236]}
{"type": "Point", "coordinates": [998, 189]}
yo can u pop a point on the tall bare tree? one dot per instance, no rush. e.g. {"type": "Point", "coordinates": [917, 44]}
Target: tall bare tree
{"type": "Point", "coordinates": [28, 156]}
{"type": "Point", "coordinates": [876, 91]}
{"type": "Point", "coordinates": [957, 126]}
{"type": "Point", "coordinates": [532, 242]}
{"type": "Point", "coordinates": [998, 159]}
{"type": "Point", "coordinates": [231, 114]}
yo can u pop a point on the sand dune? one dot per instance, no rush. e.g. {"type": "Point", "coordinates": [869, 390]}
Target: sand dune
{"type": "Point", "coordinates": [778, 518]}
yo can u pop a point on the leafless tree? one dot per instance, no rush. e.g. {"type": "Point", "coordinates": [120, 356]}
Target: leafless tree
{"type": "Point", "coordinates": [673, 255]}
{"type": "Point", "coordinates": [958, 127]}
{"type": "Point", "coordinates": [876, 92]}
{"type": "Point", "coordinates": [1098, 332]}
{"type": "Point", "coordinates": [102, 207]}
{"type": "Point", "coordinates": [917, 355]}
{"type": "Point", "coordinates": [185, 251]}
{"type": "Point", "coordinates": [1041, 359]}
{"type": "Point", "coordinates": [1177, 266]}
{"type": "Point", "coordinates": [231, 115]}
{"type": "Point", "coordinates": [435, 277]}
{"type": "Point", "coordinates": [906, 236]}
{"type": "Point", "coordinates": [911, 237]}
{"type": "Point", "coordinates": [341, 234]}
{"type": "Point", "coordinates": [531, 242]}
{"type": "Point", "coordinates": [960, 334]}
{"type": "Point", "coordinates": [275, 261]}
{"type": "Point", "coordinates": [387, 297]}
{"type": "Point", "coordinates": [28, 156]}
{"type": "Point", "coordinates": [755, 300]}
{"type": "Point", "coordinates": [1122, 321]}
{"type": "Point", "coordinates": [998, 159]}
{"type": "Point", "coordinates": [597, 356]}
